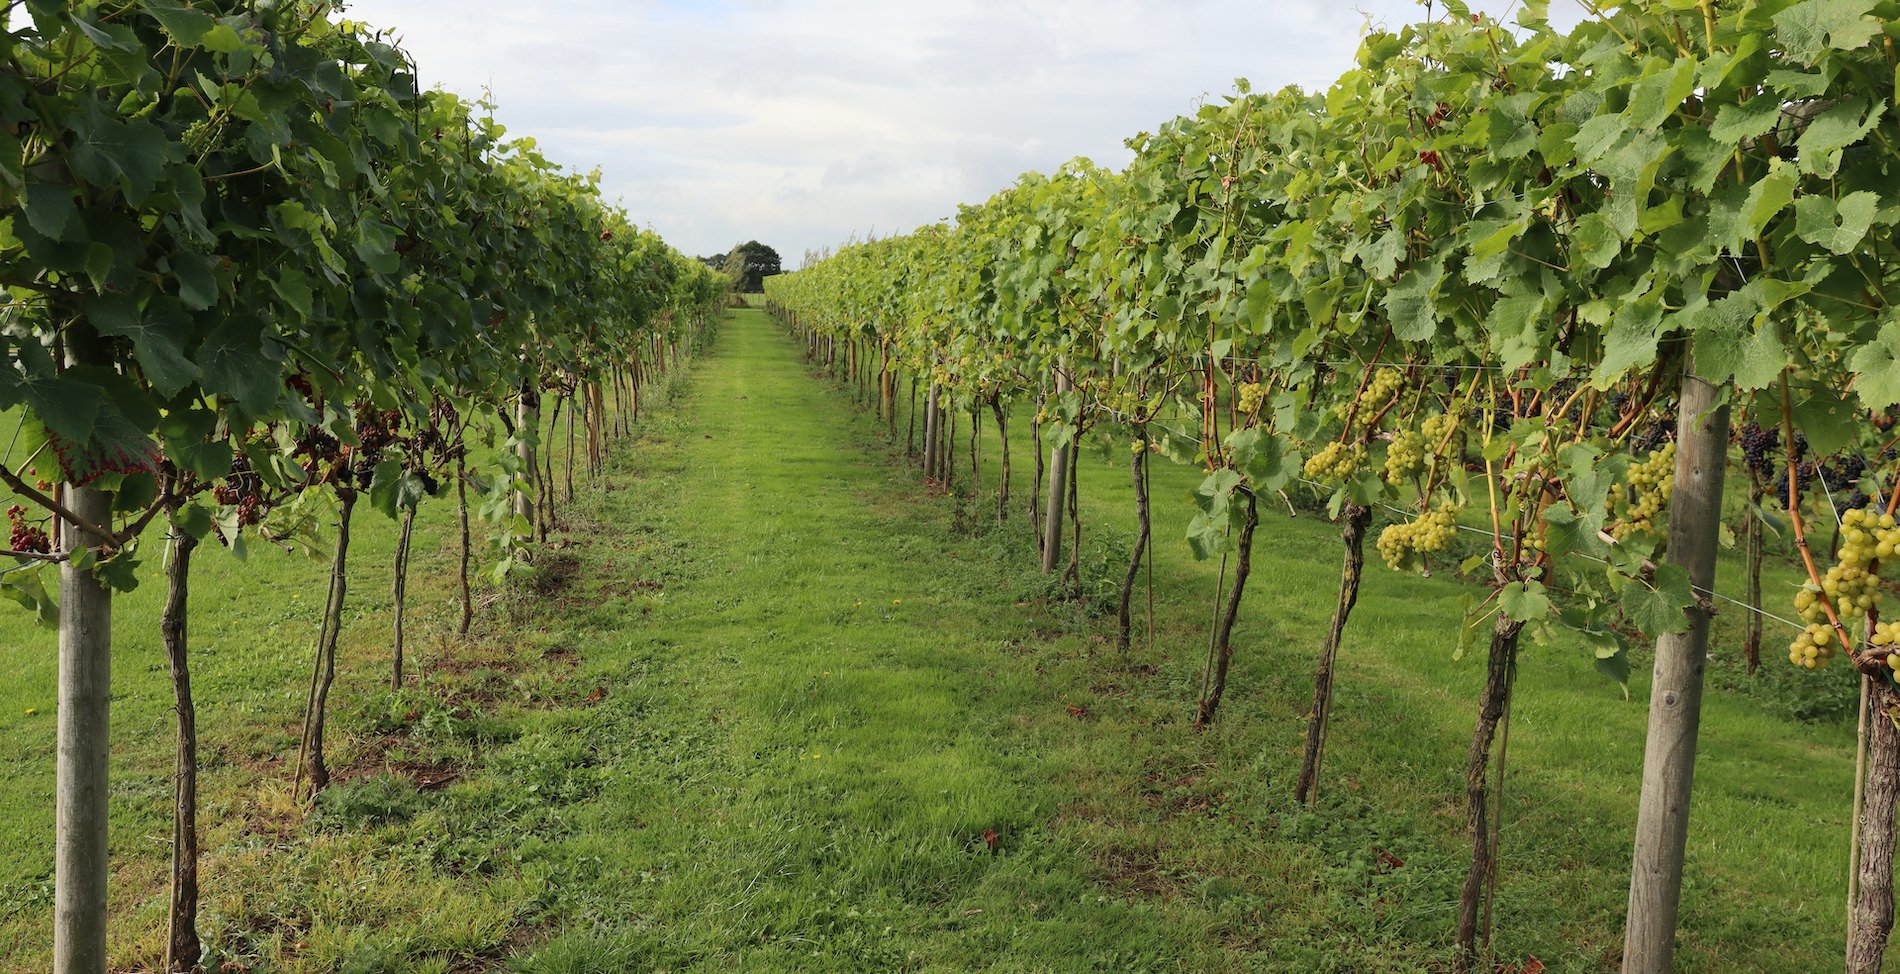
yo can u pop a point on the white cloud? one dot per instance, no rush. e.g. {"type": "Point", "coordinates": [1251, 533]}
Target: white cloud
{"type": "Point", "coordinates": [803, 123]}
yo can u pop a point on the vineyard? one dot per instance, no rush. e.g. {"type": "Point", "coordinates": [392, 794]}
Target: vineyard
{"type": "Point", "coordinates": [421, 566]}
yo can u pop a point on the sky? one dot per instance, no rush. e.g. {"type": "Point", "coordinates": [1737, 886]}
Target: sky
{"type": "Point", "coordinates": [805, 123]}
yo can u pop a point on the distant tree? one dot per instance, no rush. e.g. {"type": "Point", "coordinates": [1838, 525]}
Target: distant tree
{"type": "Point", "coordinates": [749, 264]}
{"type": "Point", "coordinates": [716, 261]}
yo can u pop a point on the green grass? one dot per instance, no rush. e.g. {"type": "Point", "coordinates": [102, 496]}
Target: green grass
{"type": "Point", "coordinates": [769, 696]}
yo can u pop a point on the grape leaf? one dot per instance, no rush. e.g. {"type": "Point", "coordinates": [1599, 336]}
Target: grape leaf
{"type": "Point", "coordinates": [1810, 29]}
{"type": "Point", "coordinates": [49, 209]}
{"type": "Point", "coordinates": [1656, 96]}
{"type": "Point", "coordinates": [1524, 601]}
{"type": "Point", "coordinates": [1838, 227]}
{"type": "Point", "coordinates": [155, 339]}
{"type": "Point", "coordinates": [1657, 609]}
{"type": "Point", "coordinates": [1749, 120]}
{"type": "Point", "coordinates": [1827, 134]}
{"type": "Point", "coordinates": [131, 154]}
{"type": "Point", "coordinates": [1878, 365]}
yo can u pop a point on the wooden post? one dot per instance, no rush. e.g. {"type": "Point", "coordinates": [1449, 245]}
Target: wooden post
{"type": "Point", "coordinates": [81, 767]}
{"type": "Point", "coordinates": [80, 819]}
{"type": "Point", "coordinates": [1675, 703]}
{"type": "Point", "coordinates": [1058, 496]}
{"type": "Point", "coordinates": [1871, 913]}
{"type": "Point", "coordinates": [182, 948]}
{"type": "Point", "coordinates": [932, 432]}
{"type": "Point", "coordinates": [527, 426]}
{"type": "Point", "coordinates": [1356, 519]}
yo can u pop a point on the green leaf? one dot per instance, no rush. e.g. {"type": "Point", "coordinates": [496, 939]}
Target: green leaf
{"type": "Point", "coordinates": [1825, 418]}
{"type": "Point", "coordinates": [293, 286]}
{"type": "Point", "coordinates": [1878, 366]}
{"type": "Point", "coordinates": [197, 281]}
{"type": "Point", "coordinates": [1768, 197]}
{"type": "Point", "coordinates": [65, 405]}
{"type": "Point", "coordinates": [1269, 461]}
{"type": "Point", "coordinates": [1410, 305]}
{"type": "Point", "coordinates": [375, 246]}
{"type": "Point", "coordinates": [129, 154]}
{"type": "Point", "coordinates": [1524, 601]}
{"type": "Point", "coordinates": [1206, 536]}
{"type": "Point", "coordinates": [25, 587]}
{"type": "Point", "coordinates": [1612, 655]}
{"type": "Point", "coordinates": [186, 26]}
{"type": "Point", "coordinates": [114, 445]}
{"type": "Point", "coordinates": [1810, 29]}
{"type": "Point", "coordinates": [234, 364]}
{"type": "Point", "coordinates": [1751, 119]}
{"type": "Point", "coordinates": [1598, 135]}
{"type": "Point", "coordinates": [385, 487]}
{"type": "Point", "coordinates": [155, 339]}
{"type": "Point", "coordinates": [193, 519]}
{"type": "Point", "coordinates": [1820, 145]}
{"type": "Point", "coordinates": [1656, 96]}
{"type": "Point", "coordinates": [1631, 340]}
{"type": "Point", "coordinates": [1595, 243]}
{"type": "Point", "coordinates": [1659, 609]}
{"type": "Point", "coordinates": [1838, 227]}
{"type": "Point", "coordinates": [49, 209]}
{"type": "Point", "coordinates": [1381, 258]}
{"type": "Point", "coordinates": [1510, 133]}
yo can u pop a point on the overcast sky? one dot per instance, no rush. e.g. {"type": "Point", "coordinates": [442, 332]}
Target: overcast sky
{"type": "Point", "coordinates": [802, 123]}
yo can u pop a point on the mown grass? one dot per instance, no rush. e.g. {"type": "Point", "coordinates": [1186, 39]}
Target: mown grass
{"type": "Point", "coordinates": [773, 706]}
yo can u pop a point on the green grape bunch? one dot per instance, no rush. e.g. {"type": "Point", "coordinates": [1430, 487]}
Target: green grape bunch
{"type": "Point", "coordinates": [1651, 483]}
{"type": "Point", "coordinates": [1438, 429]}
{"type": "Point", "coordinates": [1384, 385]}
{"type": "Point", "coordinates": [1405, 457]}
{"type": "Point", "coordinates": [1814, 647]}
{"type": "Point", "coordinates": [1379, 390]}
{"type": "Point", "coordinates": [1336, 461]}
{"type": "Point", "coordinates": [1886, 636]}
{"type": "Point", "coordinates": [1404, 545]}
{"type": "Point", "coordinates": [1249, 396]}
{"type": "Point", "coordinates": [1851, 586]}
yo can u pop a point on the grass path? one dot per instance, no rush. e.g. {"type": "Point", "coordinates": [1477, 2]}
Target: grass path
{"type": "Point", "coordinates": [773, 707]}
{"type": "Point", "coordinates": [870, 692]}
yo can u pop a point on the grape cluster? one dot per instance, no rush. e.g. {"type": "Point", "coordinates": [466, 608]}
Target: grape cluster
{"type": "Point", "coordinates": [1866, 539]}
{"type": "Point", "coordinates": [1852, 502]}
{"type": "Point", "coordinates": [318, 445]}
{"type": "Point", "coordinates": [1886, 636]}
{"type": "Point", "coordinates": [1851, 586]}
{"type": "Point", "coordinates": [1757, 446]}
{"type": "Point", "coordinates": [1405, 458]}
{"type": "Point", "coordinates": [1438, 429]}
{"type": "Point", "coordinates": [1813, 648]}
{"type": "Point", "coordinates": [24, 536]}
{"type": "Point", "coordinates": [1249, 396]}
{"type": "Point", "coordinates": [376, 430]}
{"type": "Point", "coordinates": [1384, 385]}
{"type": "Point", "coordinates": [1844, 470]}
{"type": "Point", "coordinates": [1650, 485]}
{"type": "Point", "coordinates": [1654, 435]}
{"type": "Point", "coordinates": [1336, 461]}
{"type": "Point", "coordinates": [1401, 545]}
